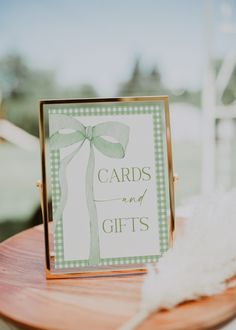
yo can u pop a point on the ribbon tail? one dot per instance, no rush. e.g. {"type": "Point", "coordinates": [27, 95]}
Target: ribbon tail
{"type": "Point", "coordinates": [94, 253]}
{"type": "Point", "coordinates": [63, 186]}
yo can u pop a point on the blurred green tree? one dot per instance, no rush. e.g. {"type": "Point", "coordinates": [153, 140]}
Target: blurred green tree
{"type": "Point", "coordinates": [22, 87]}
{"type": "Point", "coordinates": [141, 83]}
{"type": "Point", "coordinates": [150, 83]}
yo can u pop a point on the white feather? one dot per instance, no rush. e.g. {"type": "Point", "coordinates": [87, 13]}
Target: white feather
{"type": "Point", "coordinates": [203, 257]}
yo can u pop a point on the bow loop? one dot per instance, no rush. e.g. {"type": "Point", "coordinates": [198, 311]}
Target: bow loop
{"type": "Point", "coordinates": [118, 131]}
{"type": "Point", "coordinates": [109, 149]}
{"type": "Point", "coordinates": [59, 138]}
{"type": "Point", "coordinates": [62, 140]}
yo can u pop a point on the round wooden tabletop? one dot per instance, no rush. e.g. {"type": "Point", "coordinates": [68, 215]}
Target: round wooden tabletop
{"type": "Point", "coordinates": [31, 302]}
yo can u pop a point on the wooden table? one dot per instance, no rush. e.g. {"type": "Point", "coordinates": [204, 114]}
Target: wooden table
{"type": "Point", "coordinates": [29, 301]}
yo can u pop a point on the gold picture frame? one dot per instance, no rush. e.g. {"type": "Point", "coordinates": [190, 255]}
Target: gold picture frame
{"type": "Point", "coordinates": [51, 272]}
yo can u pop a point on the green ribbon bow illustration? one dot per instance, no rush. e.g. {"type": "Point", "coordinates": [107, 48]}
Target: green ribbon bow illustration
{"type": "Point", "coordinates": [95, 135]}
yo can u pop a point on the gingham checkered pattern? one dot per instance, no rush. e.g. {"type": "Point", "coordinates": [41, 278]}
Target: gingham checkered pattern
{"type": "Point", "coordinates": [155, 109]}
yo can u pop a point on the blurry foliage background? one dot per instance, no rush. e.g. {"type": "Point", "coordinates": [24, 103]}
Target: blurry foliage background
{"type": "Point", "coordinates": [89, 39]}
{"type": "Point", "coordinates": [22, 87]}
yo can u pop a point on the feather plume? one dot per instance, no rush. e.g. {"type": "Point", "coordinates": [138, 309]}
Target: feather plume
{"type": "Point", "coordinates": [203, 257]}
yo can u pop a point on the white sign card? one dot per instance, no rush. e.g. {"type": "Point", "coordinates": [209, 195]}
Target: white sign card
{"type": "Point", "coordinates": [109, 183]}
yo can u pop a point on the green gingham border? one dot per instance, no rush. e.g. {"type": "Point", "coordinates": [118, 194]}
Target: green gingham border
{"type": "Point", "coordinates": [156, 110]}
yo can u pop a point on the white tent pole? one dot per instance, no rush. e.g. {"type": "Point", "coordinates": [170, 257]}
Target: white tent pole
{"type": "Point", "coordinates": [208, 108]}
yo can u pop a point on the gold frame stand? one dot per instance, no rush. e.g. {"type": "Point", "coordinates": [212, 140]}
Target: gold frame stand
{"type": "Point", "coordinates": [41, 184]}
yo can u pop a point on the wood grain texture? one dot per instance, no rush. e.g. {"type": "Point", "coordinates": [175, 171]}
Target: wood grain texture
{"type": "Point", "coordinates": [30, 301]}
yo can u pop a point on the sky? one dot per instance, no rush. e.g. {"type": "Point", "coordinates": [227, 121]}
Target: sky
{"type": "Point", "coordinates": [97, 41]}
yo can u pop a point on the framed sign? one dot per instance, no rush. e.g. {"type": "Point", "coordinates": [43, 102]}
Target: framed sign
{"type": "Point", "coordinates": [107, 168]}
